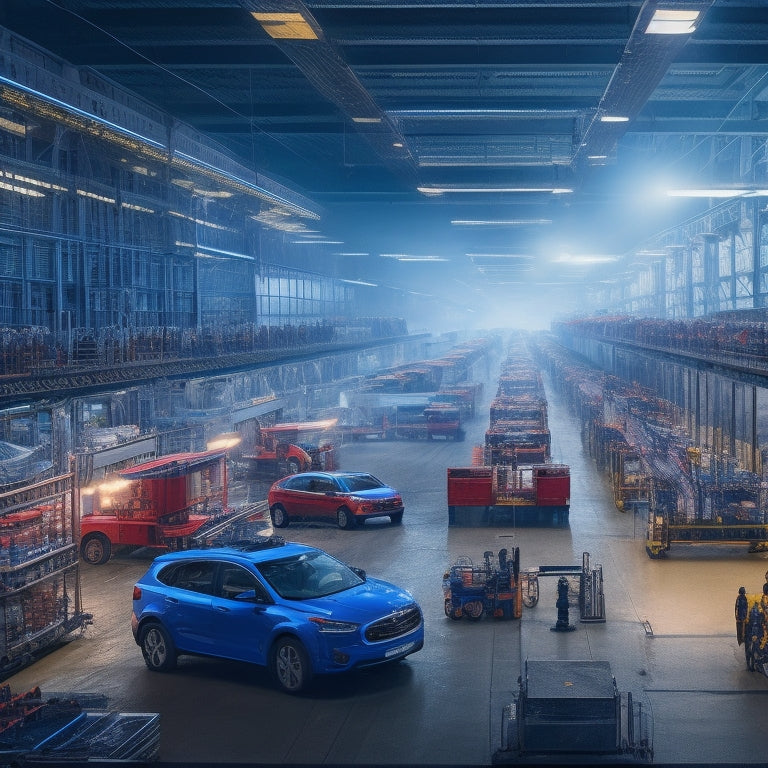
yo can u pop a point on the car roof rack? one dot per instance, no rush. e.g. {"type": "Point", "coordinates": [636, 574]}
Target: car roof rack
{"type": "Point", "coordinates": [257, 543]}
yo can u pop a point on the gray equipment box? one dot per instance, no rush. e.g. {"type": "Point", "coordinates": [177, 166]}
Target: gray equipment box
{"type": "Point", "coordinates": [569, 707]}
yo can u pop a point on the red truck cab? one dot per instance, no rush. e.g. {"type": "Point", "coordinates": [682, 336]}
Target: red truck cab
{"type": "Point", "coordinates": [160, 503]}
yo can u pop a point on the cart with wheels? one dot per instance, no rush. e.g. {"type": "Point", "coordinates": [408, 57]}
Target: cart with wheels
{"type": "Point", "coordinates": [488, 589]}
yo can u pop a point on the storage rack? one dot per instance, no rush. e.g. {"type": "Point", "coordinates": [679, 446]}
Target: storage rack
{"type": "Point", "coordinates": [40, 599]}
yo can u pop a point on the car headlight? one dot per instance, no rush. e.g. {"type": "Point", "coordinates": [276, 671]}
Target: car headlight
{"type": "Point", "coordinates": [328, 625]}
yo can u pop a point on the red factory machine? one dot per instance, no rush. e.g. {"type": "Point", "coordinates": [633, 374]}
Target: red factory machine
{"type": "Point", "coordinates": [537, 494]}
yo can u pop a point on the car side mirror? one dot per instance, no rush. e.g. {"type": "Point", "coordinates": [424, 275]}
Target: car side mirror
{"type": "Point", "coordinates": [251, 596]}
{"type": "Point", "coordinates": [360, 572]}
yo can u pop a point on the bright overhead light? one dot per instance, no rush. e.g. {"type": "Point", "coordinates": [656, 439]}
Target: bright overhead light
{"type": "Point", "coordinates": [448, 190]}
{"type": "Point", "coordinates": [11, 125]}
{"type": "Point", "coordinates": [421, 258]}
{"type": "Point", "coordinates": [285, 26]}
{"type": "Point", "coordinates": [614, 119]}
{"type": "Point", "coordinates": [712, 192]}
{"type": "Point", "coordinates": [317, 242]}
{"type": "Point", "coordinates": [406, 257]}
{"type": "Point", "coordinates": [359, 282]}
{"type": "Point", "coordinates": [672, 22]}
{"type": "Point", "coordinates": [499, 256]}
{"type": "Point", "coordinates": [498, 222]}
{"type": "Point", "coordinates": [21, 190]}
{"type": "Point", "coordinates": [567, 258]}
{"type": "Point", "coordinates": [366, 119]}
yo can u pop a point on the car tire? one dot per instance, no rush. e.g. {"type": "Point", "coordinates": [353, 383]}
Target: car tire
{"type": "Point", "coordinates": [290, 665]}
{"type": "Point", "coordinates": [345, 519]}
{"type": "Point", "coordinates": [157, 648]}
{"type": "Point", "coordinates": [279, 516]}
{"type": "Point", "coordinates": [396, 518]}
{"type": "Point", "coordinates": [95, 549]}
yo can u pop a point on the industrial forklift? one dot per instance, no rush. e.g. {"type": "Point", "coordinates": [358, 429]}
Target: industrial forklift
{"type": "Point", "coordinates": [490, 589]}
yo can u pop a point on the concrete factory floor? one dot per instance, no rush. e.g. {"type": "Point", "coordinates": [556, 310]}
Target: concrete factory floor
{"type": "Point", "coordinates": [669, 636]}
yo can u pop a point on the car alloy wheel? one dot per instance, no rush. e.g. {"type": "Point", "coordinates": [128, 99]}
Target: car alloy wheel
{"type": "Point", "coordinates": [279, 517]}
{"type": "Point", "coordinates": [157, 648]}
{"type": "Point", "coordinates": [291, 665]}
{"type": "Point", "coordinates": [345, 519]}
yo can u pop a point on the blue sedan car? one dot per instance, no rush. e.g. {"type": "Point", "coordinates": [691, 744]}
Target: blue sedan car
{"type": "Point", "coordinates": [291, 608]}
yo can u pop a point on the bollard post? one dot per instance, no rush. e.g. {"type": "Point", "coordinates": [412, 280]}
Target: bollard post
{"type": "Point", "coordinates": [563, 624]}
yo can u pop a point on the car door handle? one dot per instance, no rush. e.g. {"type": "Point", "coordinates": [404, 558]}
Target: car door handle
{"type": "Point", "coordinates": [171, 600]}
{"type": "Point", "coordinates": [222, 608]}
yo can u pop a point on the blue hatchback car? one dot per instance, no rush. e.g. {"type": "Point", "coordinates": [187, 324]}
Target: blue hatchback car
{"type": "Point", "coordinates": [289, 607]}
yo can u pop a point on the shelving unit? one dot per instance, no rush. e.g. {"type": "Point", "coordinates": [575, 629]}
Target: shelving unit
{"type": "Point", "coordinates": [40, 599]}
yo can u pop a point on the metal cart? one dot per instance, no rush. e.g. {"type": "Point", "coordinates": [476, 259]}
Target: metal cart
{"type": "Point", "coordinates": [489, 589]}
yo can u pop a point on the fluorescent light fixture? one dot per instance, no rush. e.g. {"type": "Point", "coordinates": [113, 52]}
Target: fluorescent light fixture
{"type": "Point", "coordinates": [139, 208]}
{"type": "Point", "coordinates": [13, 127]}
{"type": "Point", "coordinates": [398, 144]}
{"type": "Point", "coordinates": [407, 257]}
{"type": "Point", "coordinates": [725, 193]}
{"type": "Point", "coordinates": [525, 113]}
{"type": "Point", "coordinates": [94, 196]}
{"type": "Point", "coordinates": [212, 193]}
{"type": "Point", "coordinates": [359, 282]}
{"type": "Point", "coordinates": [285, 26]}
{"type": "Point", "coordinates": [421, 258]}
{"type": "Point", "coordinates": [614, 119]}
{"type": "Point", "coordinates": [351, 253]}
{"type": "Point", "coordinates": [499, 256]}
{"type": "Point", "coordinates": [498, 222]}
{"type": "Point", "coordinates": [317, 242]}
{"type": "Point", "coordinates": [672, 22]}
{"type": "Point", "coordinates": [21, 190]}
{"type": "Point", "coordinates": [597, 157]}
{"type": "Point", "coordinates": [447, 190]}
{"type": "Point", "coordinates": [366, 119]}
{"type": "Point", "coordinates": [567, 258]}
{"type": "Point", "coordinates": [198, 221]}
{"type": "Point", "coordinates": [223, 253]}
{"type": "Point", "coordinates": [32, 181]}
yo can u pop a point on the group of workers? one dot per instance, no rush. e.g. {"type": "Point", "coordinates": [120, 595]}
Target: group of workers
{"type": "Point", "coordinates": [752, 624]}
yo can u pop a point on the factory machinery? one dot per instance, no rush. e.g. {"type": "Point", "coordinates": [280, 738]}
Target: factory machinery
{"type": "Point", "coordinates": [573, 712]}
{"type": "Point", "coordinates": [512, 479]}
{"type": "Point", "coordinates": [427, 399]}
{"type": "Point", "coordinates": [690, 493]}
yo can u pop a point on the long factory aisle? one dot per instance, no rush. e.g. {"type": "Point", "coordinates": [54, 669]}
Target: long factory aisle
{"type": "Point", "coordinates": [668, 635]}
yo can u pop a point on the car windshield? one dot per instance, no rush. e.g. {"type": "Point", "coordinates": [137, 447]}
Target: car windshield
{"type": "Point", "coordinates": [308, 575]}
{"type": "Point", "coordinates": [360, 482]}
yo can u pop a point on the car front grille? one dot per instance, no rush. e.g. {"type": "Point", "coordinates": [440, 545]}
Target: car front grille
{"type": "Point", "coordinates": [387, 504]}
{"type": "Point", "coordinates": [396, 624]}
